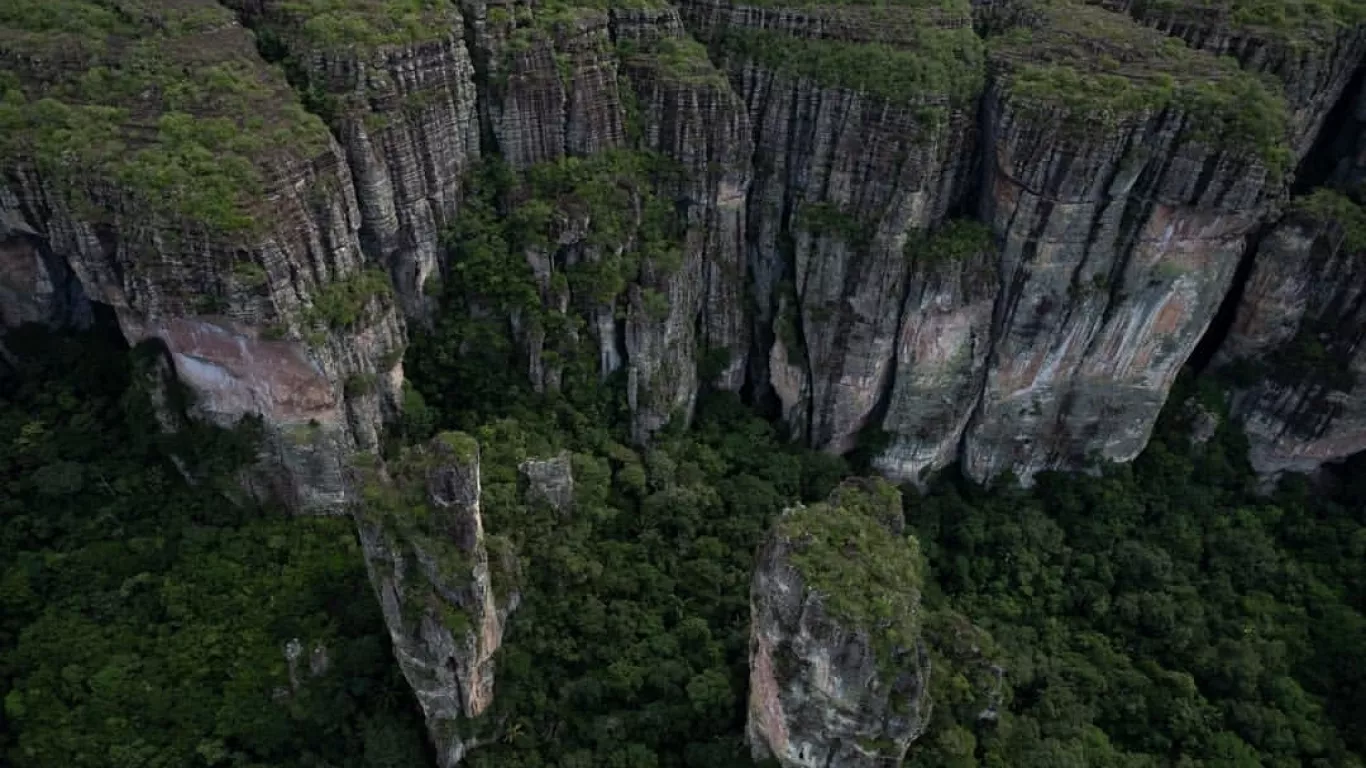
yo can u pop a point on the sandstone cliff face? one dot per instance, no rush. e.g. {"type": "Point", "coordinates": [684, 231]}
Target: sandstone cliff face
{"type": "Point", "coordinates": [1296, 344]}
{"type": "Point", "coordinates": [1119, 239]}
{"type": "Point", "coordinates": [838, 674]}
{"type": "Point", "coordinates": [399, 96]}
{"type": "Point", "coordinates": [941, 350]}
{"type": "Point", "coordinates": [844, 175]}
{"type": "Point", "coordinates": [446, 598]}
{"type": "Point", "coordinates": [247, 266]}
{"type": "Point", "coordinates": [761, 233]}
{"type": "Point", "coordinates": [1312, 55]}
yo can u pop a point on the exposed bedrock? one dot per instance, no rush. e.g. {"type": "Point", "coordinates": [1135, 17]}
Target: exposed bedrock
{"type": "Point", "coordinates": [400, 98]}
{"type": "Point", "coordinates": [1295, 352]}
{"type": "Point", "coordinates": [1122, 213]}
{"type": "Point", "coordinates": [227, 229]}
{"type": "Point", "coordinates": [446, 594]}
{"type": "Point", "coordinates": [1312, 54]}
{"type": "Point", "coordinates": [839, 675]}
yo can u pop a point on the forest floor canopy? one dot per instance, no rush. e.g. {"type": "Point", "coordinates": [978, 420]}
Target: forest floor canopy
{"type": "Point", "coordinates": [1156, 614]}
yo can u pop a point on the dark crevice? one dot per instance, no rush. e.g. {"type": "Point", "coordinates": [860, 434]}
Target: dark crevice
{"type": "Point", "coordinates": [1334, 141]}
{"type": "Point", "coordinates": [1219, 327]}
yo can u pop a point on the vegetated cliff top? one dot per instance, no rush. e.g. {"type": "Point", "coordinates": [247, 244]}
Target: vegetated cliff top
{"type": "Point", "coordinates": [1313, 22]}
{"type": "Point", "coordinates": [161, 103]}
{"type": "Point", "coordinates": [912, 51]}
{"type": "Point", "coordinates": [1101, 67]}
{"type": "Point", "coordinates": [359, 24]}
{"type": "Point", "coordinates": [846, 551]}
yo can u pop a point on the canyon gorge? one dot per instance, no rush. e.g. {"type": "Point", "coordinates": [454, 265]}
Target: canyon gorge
{"type": "Point", "coordinates": [988, 233]}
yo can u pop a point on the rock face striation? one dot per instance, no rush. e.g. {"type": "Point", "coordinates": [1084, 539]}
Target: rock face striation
{"type": "Point", "coordinates": [446, 597]}
{"type": "Point", "coordinates": [838, 673]}
{"type": "Point", "coordinates": [1295, 350]}
{"type": "Point", "coordinates": [992, 231]}
{"type": "Point", "coordinates": [217, 218]}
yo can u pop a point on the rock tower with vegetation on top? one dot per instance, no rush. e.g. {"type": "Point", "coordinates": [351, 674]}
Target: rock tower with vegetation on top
{"type": "Point", "coordinates": [839, 675]}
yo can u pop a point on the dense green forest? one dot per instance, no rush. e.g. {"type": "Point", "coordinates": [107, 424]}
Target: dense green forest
{"type": "Point", "coordinates": [143, 620]}
{"type": "Point", "coordinates": [1157, 614]}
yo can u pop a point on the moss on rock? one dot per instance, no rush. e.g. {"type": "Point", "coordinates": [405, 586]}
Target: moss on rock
{"type": "Point", "coordinates": [866, 575]}
{"type": "Point", "coordinates": [164, 101]}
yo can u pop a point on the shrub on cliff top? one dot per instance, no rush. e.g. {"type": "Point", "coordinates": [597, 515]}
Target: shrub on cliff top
{"type": "Point", "coordinates": [369, 23]}
{"type": "Point", "coordinates": [1328, 205]}
{"type": "Point", "coordinates": [1096, 66]}
{"type": "Point", "coordinates": [1297, 22]}
{"type": "Point", "coordinates": [866, 575]}
{"type": "Point", "coordinates": [169, 105]}
{"type": "Point", "coordinates": [941, 63]}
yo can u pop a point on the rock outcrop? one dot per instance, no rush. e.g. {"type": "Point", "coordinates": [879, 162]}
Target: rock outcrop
{"type": "Point", "coordinates": [396, 87]}
{"type": "Point", "coordinates": [1122, 208]}
{"type": "Point", "coordinates": [849, 165]}
{"type": "Point", "coordinates": [668, 197]}
{"type": "Point", "coordinates": [1313, 54]}
{"type": "Point", "coordinates": [197, 199]}
{"type": "Point", "coordinates": [445, 596]}
{"type": "Point", "coordinates": [1295, 352]}
{"type": "Point", "coordinates": [838, 673]}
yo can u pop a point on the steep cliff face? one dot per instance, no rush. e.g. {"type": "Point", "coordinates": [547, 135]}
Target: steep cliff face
{"type": "Point", "coordinates": [396, 87]}
{"type": "Point", "coordinates": [753, 214]}
{"type": "Point", "coordinates": [628, 158]}
{"type": "Point", "coordinates": [860, 140]}
{"type": "Point", "coordinates": [838, 673]}
{"type": "Point", "coordinates": [1122, 208]}
{"type": "Point", "coordinates": [1295, 349]}
{"type": "Point", "coordinates": [941, 350]}
{"type": "Point", "coordinates": [446, 598]}
{"type": "Point", "coordinates": [194, 196]}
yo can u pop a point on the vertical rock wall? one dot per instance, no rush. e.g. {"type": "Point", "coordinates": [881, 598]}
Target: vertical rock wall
{"type": "Point", "coordinates": [446, 599]}
{"type": "Point", "coordinates": [838, 673]}
{"type": "Point", "coordinates": [1295, 350]}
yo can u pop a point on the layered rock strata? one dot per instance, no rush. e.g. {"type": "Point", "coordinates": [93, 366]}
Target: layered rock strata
{"type": "Point", "coordinates": [217, 217]}
{"type": "Point", "coordinates": [848, 166]}
{"type": "Point", "coordinates": [838, 672]}
{"type": "Point", "coordinates": [446, 599]}
{"type": "Point", "coordinates": [1122, 207]}
{"type": "Point", "coordinates": [396, 88]}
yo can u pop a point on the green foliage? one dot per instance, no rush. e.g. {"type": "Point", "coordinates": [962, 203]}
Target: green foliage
{"type": "Point", "coordinates": [143, 620]}
{"type": "Point", "coordinates": [342, 303]}
{"type": "Point", "coordinates": [679, 59]}
{"type": "Point", "coordinates": [1160, 613]}
{"type": "Point", "coordinates": [597, 222]}
{"type": "Point", "coordinates": [175, 113]}
{"type": "Point", "coordinates": [465, 448]}
{"type": "Point", "coordinates": [370, 23]}
{"type": "Point", "coordinates": [941, 64]}
{"type": "Point", "coordinates": [1101, 67]}
{"type": "Point", "coordinates": [866, 575]}
{"type": "Point", "coordinates": [958, 240]}
{"type": "Point", "coordinates": [251, 274]}
{"type": "Point", "coordinates": [1299, 22]}
{"type": "Point", "coordinates": [630, 646]}
{"type": "Point", "coordinates": [1328, 206]}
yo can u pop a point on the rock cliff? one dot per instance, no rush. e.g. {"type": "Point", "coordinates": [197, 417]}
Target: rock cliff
{"type": "Point", "coordinates": [445, 596]}
{"type": "Point", "coordinates": [154, 164]}
{"type": "Point", "coordinates": [396, 87]}
{"type": "Point", "coordinates": [838, 673]}
{"type": "Point", "coordinates": [993, 231]}
{"type": "Point", "coordinates": [1122, 208]}
{"type": "Point", "coordinates": [1295, 350]}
